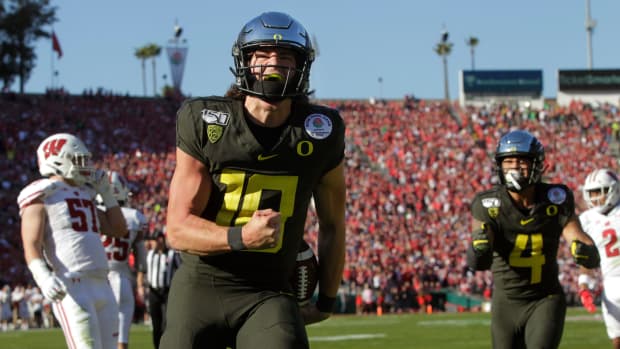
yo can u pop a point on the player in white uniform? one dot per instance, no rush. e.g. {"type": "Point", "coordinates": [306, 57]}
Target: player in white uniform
{"type": "Point", "coordinates": [118, 251]}
{"type": "Point", "coordinates": [601, 221]}
{"type": "Point", "coordinates": [60, 227]}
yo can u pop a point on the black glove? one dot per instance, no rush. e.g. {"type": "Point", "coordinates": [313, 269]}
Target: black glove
{"type": "Point", "coordinates": [480, 241]}
{"type": "Point", "coordinates": [585, 255]}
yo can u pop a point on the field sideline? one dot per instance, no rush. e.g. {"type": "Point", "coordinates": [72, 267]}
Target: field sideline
{"type": "Point", "coordinates": [434, 331]}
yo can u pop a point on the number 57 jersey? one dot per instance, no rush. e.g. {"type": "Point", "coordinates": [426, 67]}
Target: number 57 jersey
{"type": "Point", "coordinates": [71, 241]}
{"type": "Point", "coordinates": [604, 230]}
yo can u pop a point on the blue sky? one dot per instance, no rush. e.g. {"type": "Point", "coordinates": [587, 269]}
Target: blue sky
{"type": "Point", "coordinates": [359, 42]}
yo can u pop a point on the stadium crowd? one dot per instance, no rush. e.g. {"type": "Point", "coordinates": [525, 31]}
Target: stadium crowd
{"type": "Point", "coordinates": [413, 167]}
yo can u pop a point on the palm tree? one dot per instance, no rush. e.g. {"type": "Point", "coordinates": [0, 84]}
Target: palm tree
{"type": "Point", "coordinates": [443, 49]}
{"type": "Point", "coordinates": [141, 54]}
{"type": "Point", "coordinates": [153, 51]}
{"type": "Point", "coordinates": [472, 42]}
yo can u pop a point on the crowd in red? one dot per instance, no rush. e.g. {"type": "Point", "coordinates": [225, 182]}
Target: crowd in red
{"type": "Point", "coordinates": [413, 167]}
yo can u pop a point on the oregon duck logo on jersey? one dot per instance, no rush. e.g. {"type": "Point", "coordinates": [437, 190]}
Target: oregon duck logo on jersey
{"type": "Point", "coordinates": [216, 121]}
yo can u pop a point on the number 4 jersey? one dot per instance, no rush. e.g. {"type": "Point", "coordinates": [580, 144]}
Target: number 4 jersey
{"type": "Point", "coordinates": [71, 242]}
{"type": "Point", "coordinates": [526, 243]}
{"type": "Point", "coordinates": [604, 230]}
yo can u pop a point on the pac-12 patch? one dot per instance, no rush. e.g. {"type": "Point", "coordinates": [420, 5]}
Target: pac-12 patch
{"type": "Point", "coordinates": [318, 126]}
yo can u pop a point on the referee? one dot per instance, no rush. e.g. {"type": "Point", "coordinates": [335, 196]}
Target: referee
{"type": "Point", "coordinates": [161, 263]}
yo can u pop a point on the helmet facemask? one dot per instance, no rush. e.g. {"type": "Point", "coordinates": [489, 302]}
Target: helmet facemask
{"type": "Point", "coordinates": [254, 80]}
{"type": "Point", "coordinates": [513, 178]}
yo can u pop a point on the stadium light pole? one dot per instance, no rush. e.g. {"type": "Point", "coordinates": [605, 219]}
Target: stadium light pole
{"type": "Point", "coordinates": [590, 24]}
{"type": "Point", "coordinates": [443, 49]}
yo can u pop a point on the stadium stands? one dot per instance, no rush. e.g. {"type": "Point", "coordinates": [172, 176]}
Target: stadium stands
{"type": "Point", "coordinates": [412, 168]}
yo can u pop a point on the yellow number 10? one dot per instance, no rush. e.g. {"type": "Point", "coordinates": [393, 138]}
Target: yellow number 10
{"type": "Point", "coordinates": [536, 259]}
{"type": "Point", "coordinates": [240, 202]}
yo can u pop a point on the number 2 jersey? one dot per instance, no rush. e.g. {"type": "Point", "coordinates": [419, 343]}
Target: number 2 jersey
{"type": "Point", "coordinates": [247, 177]}
{"type": "Point", "coordinates": [604, 230]}
{"type": "Point", "coordinates": [71, 242]}
{"type": "Point", "coordinates": [526, 243]}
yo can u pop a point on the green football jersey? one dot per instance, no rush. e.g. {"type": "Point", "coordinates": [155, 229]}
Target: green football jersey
{"type": "Point", "coordinates": [246, 177]}
{"type": "Point", "coordinates": [526, 243]}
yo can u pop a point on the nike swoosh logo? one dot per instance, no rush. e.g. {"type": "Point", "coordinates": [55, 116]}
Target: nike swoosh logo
{"type": "Point", "coordinates": [526, 221]}
{"type": "Point", "coordinates": [262, 157]}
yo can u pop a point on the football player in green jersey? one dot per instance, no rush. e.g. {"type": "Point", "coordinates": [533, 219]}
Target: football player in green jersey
{"type": "Point", "coordinates": [516, 232]}
{"type": "Point", "coordinates": [247, 167]}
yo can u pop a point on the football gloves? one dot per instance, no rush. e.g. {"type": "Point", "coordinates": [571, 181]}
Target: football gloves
{"type": "Point", "coordinates": [51, 286]}
{"type": "Point", "coordinates": [585, 255]}
{"type": "Point", "coordinates": [480, 241]}
{"type": "Point", "coordinates": [587, 300]}
{"type": "Point", "coordinates": [103, 187]}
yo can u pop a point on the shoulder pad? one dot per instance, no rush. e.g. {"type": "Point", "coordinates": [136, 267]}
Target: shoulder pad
{"type": "Point", "coordinates": [486, 205]}
{"type": "Point", "coordinates": [39, 189]}
{"type": "Point", "coordinates": [208, 100]}
{"type": "Point", "coordinates": [324, 108]}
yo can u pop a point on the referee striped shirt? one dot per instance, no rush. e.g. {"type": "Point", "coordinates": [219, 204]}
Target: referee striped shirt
{"type": "Point", "coordinates": [160, 266]}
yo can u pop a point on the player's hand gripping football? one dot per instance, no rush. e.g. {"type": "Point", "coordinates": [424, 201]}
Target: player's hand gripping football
{"type": "Point", "coordinates": [263, 230]}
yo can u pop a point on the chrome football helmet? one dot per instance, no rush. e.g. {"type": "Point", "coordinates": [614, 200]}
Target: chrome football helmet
{"type": "Point", "coordinates": [606, 182]}
{"type": "Point", "coordinates": [273, 29]}
{"type": "Point", "coordinates": [520, 144]}
{"type": "Point", "coordinates": [65, 155]}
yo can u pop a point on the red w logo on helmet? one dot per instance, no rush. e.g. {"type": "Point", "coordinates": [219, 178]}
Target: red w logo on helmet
{"type": "Point", "coordinates": [53, 147]}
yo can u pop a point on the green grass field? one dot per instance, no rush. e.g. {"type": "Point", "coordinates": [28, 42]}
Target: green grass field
{"type": "Point", "coordinates": [420, 331]}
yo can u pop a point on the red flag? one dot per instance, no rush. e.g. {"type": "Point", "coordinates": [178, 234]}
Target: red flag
{"type": "Point", "coordinates": [56, 45]}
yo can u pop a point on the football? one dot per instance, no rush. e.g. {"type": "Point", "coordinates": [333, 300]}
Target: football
{"type": "Point", "coordinates": [305, 275]}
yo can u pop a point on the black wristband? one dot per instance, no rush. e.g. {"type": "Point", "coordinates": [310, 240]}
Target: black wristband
{"type": "Point", "coordinates": [234, 239]}
{"type": "Point", "coordinates": [325, 304]}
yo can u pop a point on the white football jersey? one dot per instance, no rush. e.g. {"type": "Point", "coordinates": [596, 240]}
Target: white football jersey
{"type": "Point", "coordinates": [71, 242]}
{"type": "Point", "coordinates": [605, 231]}
{"type": "Point", "coordinates": [117, 249]}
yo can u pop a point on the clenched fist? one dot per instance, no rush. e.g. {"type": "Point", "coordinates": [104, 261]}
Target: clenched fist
{"type": "Point", "coordinates": [263, 230]}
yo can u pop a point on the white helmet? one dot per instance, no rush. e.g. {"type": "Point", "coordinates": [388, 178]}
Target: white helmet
{"type": "Point", "coordinates": [65, 155]}
{"type": "Point", "coordinates": [120, 190]}
{"type": "Point", "coordinates": [605, 181]}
